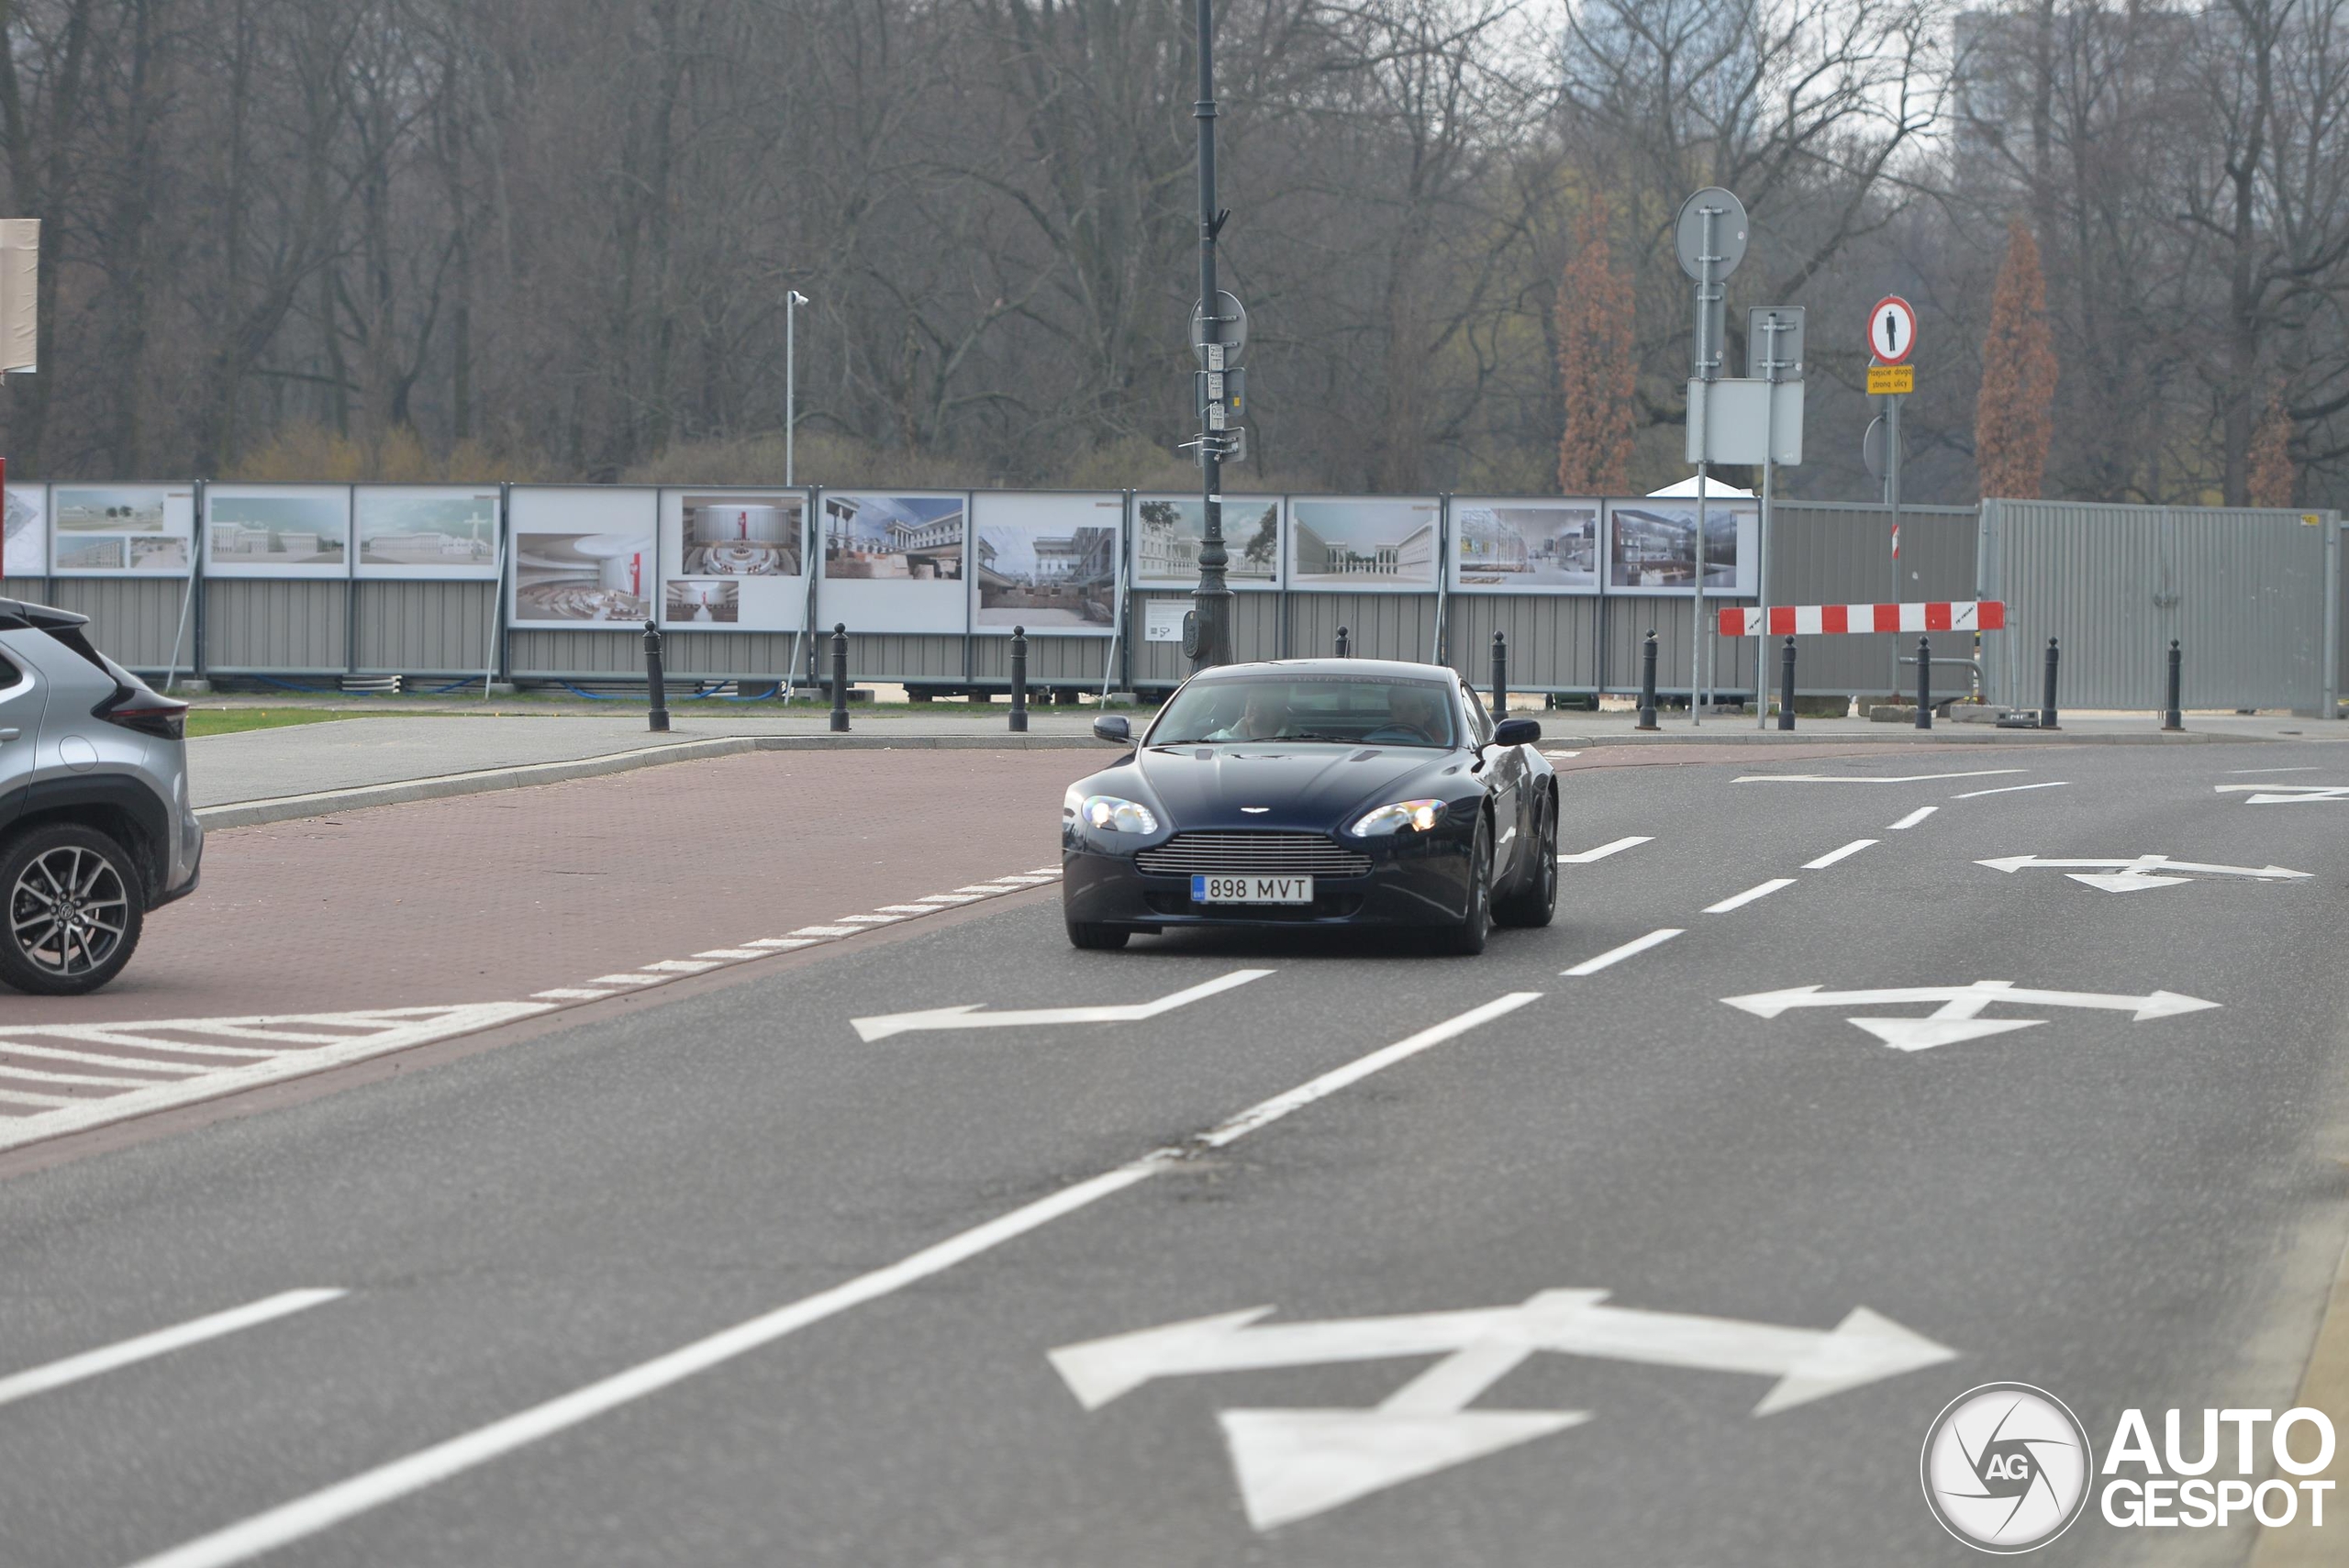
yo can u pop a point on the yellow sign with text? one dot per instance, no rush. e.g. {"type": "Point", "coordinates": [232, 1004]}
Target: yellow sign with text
{"type": "Point", "coordinates": [1891, 378]}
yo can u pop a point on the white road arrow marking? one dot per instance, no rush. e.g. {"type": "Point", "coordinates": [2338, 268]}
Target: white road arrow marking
{"type": "Point", "coordinates": [1958, 1018]}
{"type": "Point", "coordinates": [2285, 795]}
{"type": "Point", "coordinates": [1294, 1463]}
{"type": "Point", "coordinates": [2132, 874]}
{"type": "Point", "coordinates": [1857, 778]}
{"type": "Point", "coordinates": [968, 1017]}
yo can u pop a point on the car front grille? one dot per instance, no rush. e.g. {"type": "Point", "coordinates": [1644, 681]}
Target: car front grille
{"type": "Point", "coordinates": [1253, 854]}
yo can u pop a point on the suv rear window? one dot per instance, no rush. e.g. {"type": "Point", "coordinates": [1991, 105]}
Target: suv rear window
{"type": "Point", "coordinates": [71, 636]}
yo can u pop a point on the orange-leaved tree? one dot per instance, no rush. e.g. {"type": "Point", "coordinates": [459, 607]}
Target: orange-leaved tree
{"type": "Point", "coordinates": [1595, 370]}
{"type": "Point", "coordinates": [2011, 422]}
{"type": "Point", "coordinates": [2272, 474]}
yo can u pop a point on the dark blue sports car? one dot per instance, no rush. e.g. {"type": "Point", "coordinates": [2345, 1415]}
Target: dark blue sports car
{"type": "Point", "coordinates": [1316, 791]}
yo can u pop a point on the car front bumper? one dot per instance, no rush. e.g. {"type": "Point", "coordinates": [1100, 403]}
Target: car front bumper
{"type": "Point", "coordinates": [1419, 882]}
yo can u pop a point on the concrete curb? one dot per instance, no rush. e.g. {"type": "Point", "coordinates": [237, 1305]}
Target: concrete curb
{"type": "Point", "coordinates": [323, 803]}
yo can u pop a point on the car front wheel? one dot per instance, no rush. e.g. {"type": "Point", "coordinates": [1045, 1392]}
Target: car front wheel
{"type": "Point", "coordinates": [1468, 938]}
{"type": "Point", "coordinates": [75, 910]}
{"type": "Point", "coordinates": [1093, 935]}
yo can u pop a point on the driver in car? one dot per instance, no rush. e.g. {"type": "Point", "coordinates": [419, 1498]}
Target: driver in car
{"type": "Point", "coordinates": [1413, 718]}
{"type": "Point", "coordinates": [1264, 717]}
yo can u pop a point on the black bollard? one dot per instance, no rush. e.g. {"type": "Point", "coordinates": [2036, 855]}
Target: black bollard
{"type": "Point", "coordinates": [1019, 680]}
{"type": "Point", "coordinates": [1924, 685]}
{"type": "Point", "coordinates": [840, 677]}
{"type": "Point", "coordinates": [1647, 684]}
{"type": "Point", "coordinates": [1342, 642]}
{"type": "Point", "coordinates": [2047, 698]}
{"type": "Point", "coordinates": [2171, 717]}
{"type": "Point", "coordinates": [1500, 677]}
{"type": "Point", "coordinates": [1787, 684]}
{"type": "Point", "coordinates": [655, 688]}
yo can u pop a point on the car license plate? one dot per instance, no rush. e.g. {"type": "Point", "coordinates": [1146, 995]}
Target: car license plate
{"type": "Point", "coordinates": [1251, 889]}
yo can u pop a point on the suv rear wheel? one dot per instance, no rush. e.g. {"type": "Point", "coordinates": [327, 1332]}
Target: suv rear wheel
{"type": "Point", "coordinates": [74, 910]}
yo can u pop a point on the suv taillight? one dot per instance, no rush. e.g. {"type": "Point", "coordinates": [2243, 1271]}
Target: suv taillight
{"type": "Point", "coordinates": [163, 717]}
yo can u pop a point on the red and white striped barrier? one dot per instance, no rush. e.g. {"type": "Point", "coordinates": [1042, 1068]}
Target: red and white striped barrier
{"type": "Point", "coordinates": [1808, 620]}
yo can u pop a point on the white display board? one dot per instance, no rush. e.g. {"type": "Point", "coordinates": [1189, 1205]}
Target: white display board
{"type": "Point", "coordinates": [1168, 528]}
{"type": "Point", "coordinates": [583, 555]}
{"type": "Point", "coordinates": [1503, 545]}
{"type": "Point", "coordinates": [1363, 544]}
{"type": "Point", "coordinates": [122, 530]}
{"type": "Point", "coordinates": [1045, 560]}
{"type": "Point", "coordinates": [1651, 546]}
{"type": "Point", "coordinates": [734, 559]}
{"type": "Point", "coordinates": [892, 561]}
{"type": "Point", "coordinates": [435, 532]}
{"type": "Point", "coordinates": [24, 532]}
{"type": "Point", "coordinates": [277, 530]}
{"type": "Point", "coordinates": [1162, 619]}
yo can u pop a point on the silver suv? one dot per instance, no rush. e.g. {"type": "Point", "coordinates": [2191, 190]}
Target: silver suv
{"type": "Point", "coordinates": [95, 828]}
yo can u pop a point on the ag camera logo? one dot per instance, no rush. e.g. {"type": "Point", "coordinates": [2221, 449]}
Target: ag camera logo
{"type": "Point", "coordinates": [2006, 1467]}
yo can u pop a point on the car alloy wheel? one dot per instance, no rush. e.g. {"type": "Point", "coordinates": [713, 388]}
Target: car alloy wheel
{"type": "Point", "coordinates": [73, 911]}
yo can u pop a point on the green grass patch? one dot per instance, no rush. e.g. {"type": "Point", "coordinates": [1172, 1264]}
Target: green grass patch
{"type": "Point", "coordinates": [229, 720]}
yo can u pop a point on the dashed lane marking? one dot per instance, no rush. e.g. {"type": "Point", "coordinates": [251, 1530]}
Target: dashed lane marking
{"type": "Point", "coordinates": [1846, 852]}
{"type": "Point", "coordinates": [681, 966]}
{"type": "Point", "coordinates": [573, 994]}
{"type": "Point", "coordinates": [827, 930]}
{"type": "Point", "coordinates": [2010, 789]}
{"type": "Point", "coordinates": [1913, 819]}
{"type": "Point", "coordinates": [161, 1342]}
{"type": "Point", "coordinates": [1867, 778]}
{"type": "Point", "coordinates": [1631, 948]}
{"type": "Point", "coordinates": [1739, 900]}
{"type": "Point", "coordinates": [1585, 857]}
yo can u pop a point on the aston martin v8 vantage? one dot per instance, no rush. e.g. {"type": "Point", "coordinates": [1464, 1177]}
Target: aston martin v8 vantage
{"type": "Point", "coordinates": [1315, 792]}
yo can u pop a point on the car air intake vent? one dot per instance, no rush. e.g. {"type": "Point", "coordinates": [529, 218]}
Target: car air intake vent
{"type": "Point", "coordinates": [1264, 854]}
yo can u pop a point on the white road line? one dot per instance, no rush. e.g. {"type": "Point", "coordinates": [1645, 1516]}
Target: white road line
{"type": "Point", "coordinates": [47, 1102]}
{"type": "Point", "coordinates": [124, 1038]}
{"type": "Point", "coordinates": [731, 953]}
{"type": "Point", "coordinates": [1045, 871]}
{"type": "Point", "coordinates": [1628, 949]}
{"type": "Point", "coordinates": [944, 898]}
{"type": "Point", "coordinates": [1913, 817]}
{"type": "Point", "coordinates": [1868, 779]}
{"type": "Point", "coordinates": [54, 1053]}
{"type": "Point", "coordinates": [908, 909]}
{"type": "Point", "coordinates": [983, 889]}
{"type": "Point", "coordinates": [330, 1505]}
{"type": "Point", "coordinates": [1739, 900]}
{"type": "Point", "coordinates": [102, 1081]}
{"type": "Point", "coordinates": [869, 920]}
{"type": "Point", "coordinates": [2010, 789]}
{"type": "Point", "coordinates": [680, 966]}
{"type": "Point", "coordinates": [779, 944]}
{"type": "Point", "coordinates": [1585, 857]}
{"type": "Point", "coordinates": [1846, 852]}
{"type": "Point", "coordinates": [625, 979]}
{"type": "Point", "coordinates": [572, 993]}
{"type": "Point", "coordinates": [90, 1363]}
{"type": "Point", "coordinates": [826, 931]}
{"type": "Point", "coordinates": [2309, 769]}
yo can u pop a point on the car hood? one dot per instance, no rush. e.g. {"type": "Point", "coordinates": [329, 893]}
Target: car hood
{"type": "Point", "coordinates": [1305, 785]}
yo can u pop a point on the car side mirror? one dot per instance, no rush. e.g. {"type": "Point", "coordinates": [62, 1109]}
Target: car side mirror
{"type": "Point", "coordinates": [1517, 732]}
{"type": "Point", "coordinates": [1113, 727]}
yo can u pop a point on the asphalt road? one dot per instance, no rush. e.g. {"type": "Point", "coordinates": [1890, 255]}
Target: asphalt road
{"type": "Point", "coordinates": [2127, 1213]}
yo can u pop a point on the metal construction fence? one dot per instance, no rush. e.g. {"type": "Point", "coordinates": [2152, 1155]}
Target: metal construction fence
{"type": "Point", "coordinates": [552, 584]}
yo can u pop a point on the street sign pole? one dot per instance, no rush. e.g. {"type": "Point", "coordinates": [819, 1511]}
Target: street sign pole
{"type": "Point", "coordinates": [1709, 238]}
{"type": "Point", "coordinates": [1211, 601]}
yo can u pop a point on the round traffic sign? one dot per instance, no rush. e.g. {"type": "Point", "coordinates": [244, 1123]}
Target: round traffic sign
{"type": "Point", "coordinates": [1892, 330]}
{"type": "Point", "coordinates": [1729, 233]}
{"type": "Point", "coordinates": [1230, 327]}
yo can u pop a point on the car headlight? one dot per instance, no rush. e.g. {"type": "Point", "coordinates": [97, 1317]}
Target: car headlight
{"type": "Point", "coordinates": [1109, 814]}
{"type": "Point", "coordinates": [1404, 816]}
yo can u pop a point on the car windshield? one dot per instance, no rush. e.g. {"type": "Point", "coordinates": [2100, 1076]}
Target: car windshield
{"type": "Point", "coordinates": [1373, 710]}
